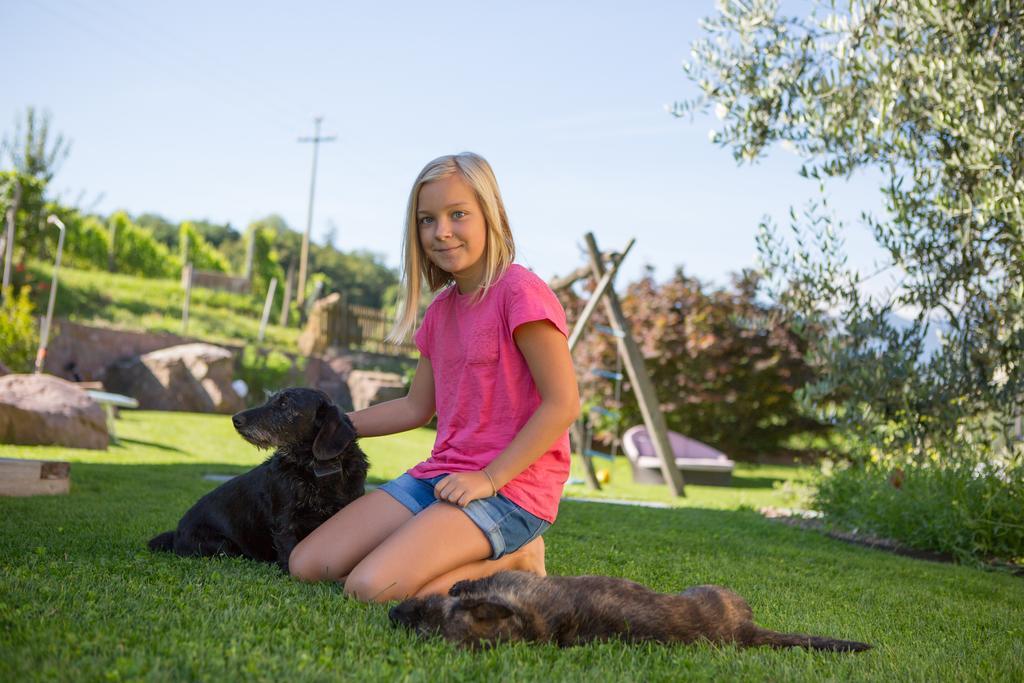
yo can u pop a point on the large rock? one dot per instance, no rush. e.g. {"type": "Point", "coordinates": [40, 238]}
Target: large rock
{"type": "Point", "coordinates": [43, 409]}
{"type": "Point", "coordinates": [330, 375]}
{"type": "Point", "coordinates": [82, 352]}
{"type": "Point", "coordinates": [369, 387]}
{"type": "Point", "coordinates": [189, 377]}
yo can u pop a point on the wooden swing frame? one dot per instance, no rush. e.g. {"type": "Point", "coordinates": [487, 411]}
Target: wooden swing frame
{"type": "Point", "coordinates": [631, 356]}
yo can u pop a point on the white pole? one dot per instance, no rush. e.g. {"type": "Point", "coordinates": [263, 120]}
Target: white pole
{"type": "Point", "coordinates": [266, 307]}
{"type": "Point", "coordinates": [9, 243]}
{"type": "Point", "coordinates": [44, 336]}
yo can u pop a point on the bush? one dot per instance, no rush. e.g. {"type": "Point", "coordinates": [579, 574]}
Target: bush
{"type": "Point", "coordinates": [201, 253]}
{"type": "Point", "coordinates": [265, 372]}
{"type": "Point", "coordinates": [911, 91]}
{"type": "Point", "coordinates": [265, 265]}
{"type": "Point", "coordinates": [724, 368]}
{"type": "Point", "coordinates": [361, 275]}
{"type": "Point", "coordinates": [86, 239]}
{"type": "Point", "coordinates": [19, 338]}
{"type": "Point", "coordinates": [31, 229]}
{"type": "Point", "coordinates": [137, 252]}
{"type": "Point", "coordinates": [972, 513]}
{"type": "Point", "coordinates": [87, 244]}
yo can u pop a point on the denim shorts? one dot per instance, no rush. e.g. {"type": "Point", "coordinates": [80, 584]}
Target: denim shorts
{"type": "Point", "coordinates": [507, 526]}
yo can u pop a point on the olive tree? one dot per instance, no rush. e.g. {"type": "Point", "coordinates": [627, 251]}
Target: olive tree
{"type": "Point", "coordinates": [30, 148]}
{"type": "Point", "coordinates": [930, 93]}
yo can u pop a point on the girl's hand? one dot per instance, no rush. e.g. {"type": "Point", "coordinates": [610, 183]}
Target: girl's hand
{"type": "Point", "coordinates": [463, 487]}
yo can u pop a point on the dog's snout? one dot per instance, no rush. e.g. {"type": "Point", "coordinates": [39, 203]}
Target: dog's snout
{"type": "Point", "coordinates": [238, 420]}
{"type": "Point", "coordinates": [401, 614]}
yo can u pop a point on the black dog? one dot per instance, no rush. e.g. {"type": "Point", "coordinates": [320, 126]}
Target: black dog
{"type": "Point", "coordinates": [316, 470]}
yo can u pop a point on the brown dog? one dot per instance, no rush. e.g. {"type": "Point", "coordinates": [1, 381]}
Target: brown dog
{"type": "Point", "coordinates": [569, 610]}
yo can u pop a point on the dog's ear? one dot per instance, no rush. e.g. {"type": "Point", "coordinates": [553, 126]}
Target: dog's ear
{"type": "Point", "coordinates": [335, 435]}
{"type": "Point", "coordinates": [486, 609]}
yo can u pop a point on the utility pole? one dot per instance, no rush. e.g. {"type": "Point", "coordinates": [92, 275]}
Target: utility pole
{"type": "Point", "coordinates": [304, 258]}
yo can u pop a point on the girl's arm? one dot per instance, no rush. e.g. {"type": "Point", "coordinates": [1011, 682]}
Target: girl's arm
{"type": "Point", "coordinates": [547, 355]}
{"type": "Point", "coordinates": [412, 410]}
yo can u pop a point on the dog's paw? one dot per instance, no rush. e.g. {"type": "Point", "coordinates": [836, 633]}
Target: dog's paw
{"type": "Point", "coordinates": [458, 588]}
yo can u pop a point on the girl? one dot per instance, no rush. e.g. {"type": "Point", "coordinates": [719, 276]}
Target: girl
{"type": "Point", "coordinates": [496, 369]}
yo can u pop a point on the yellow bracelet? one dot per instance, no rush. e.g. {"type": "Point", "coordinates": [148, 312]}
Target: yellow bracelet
{"type": "Point", "coordinates": [494, 490]}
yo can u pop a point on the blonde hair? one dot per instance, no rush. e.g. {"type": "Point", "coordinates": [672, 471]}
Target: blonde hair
{"type": "Point", "coordinates": [499, 251]}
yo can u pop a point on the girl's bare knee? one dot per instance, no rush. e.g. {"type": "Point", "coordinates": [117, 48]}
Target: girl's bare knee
{"type": "Point", "coordinates": [304, 565]}
{"type": "Point", "coordinates": [371, 587]}
{"type": "Point", "coordinates": [360, 585]}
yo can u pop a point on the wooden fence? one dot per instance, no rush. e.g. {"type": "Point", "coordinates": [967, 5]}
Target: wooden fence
{"type": "Point", "coordinates": [217, 280]}
{"type": "Point", "coordinates": [372, 326]}
{"type": "Point", "coordinates": [335, 322]}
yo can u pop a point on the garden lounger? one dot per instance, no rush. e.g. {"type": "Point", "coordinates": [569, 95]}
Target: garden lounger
{"type": "Point", "coordinates": [698, 462]}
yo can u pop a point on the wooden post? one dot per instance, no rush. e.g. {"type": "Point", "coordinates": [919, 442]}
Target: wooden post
{"type": "Point", "coordinates": [250, 249]}
{"type": "Point", "coordinates": [577, 333]}
{"type": "Point", "coordinates": [12, 214]}
{"type": "Point", "coordinates": [602, 286]}
{"type": "Point", "coordinates": [186, 276]}
{"type": "Point", "coordinates": [644, 390]}
{"type": "Point", "coordinates": [33, 477]}
{"type": "Point", "coordinates": [184, 249]}
{"type": "Point", "coordinates": [582, 273]}
{"type": "Point", "coordinates": [318, 289]}
{"type": "Point", "coordinates": [576, 430]}
{"type": "Point", "coordinates": [343, 335]}
{"type": "Point", "coordinates": [112, 251]}
{"type": "Point", "coordinates": [266, 308]}
{"type": "Point", "coordinates": [287, 293]}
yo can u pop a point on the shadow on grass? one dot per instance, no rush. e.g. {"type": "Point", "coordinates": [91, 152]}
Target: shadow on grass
{"type": "Point", "coordinates": [739, 481]}
{"type": "Point", "coordinates": [111, 509]}
{"type": "Point", "coordinates": [152, 444]}
{"type": "Point", "coordinates": [123, 484]}
{"type": "Point", "coordinates": [742, 482]}
{"type": "Point", "coordinates": [108, 501]}
{"type": "Point", "coordinates": [118, 507]}
{"type": "Point", "coordinates": [81, 302]}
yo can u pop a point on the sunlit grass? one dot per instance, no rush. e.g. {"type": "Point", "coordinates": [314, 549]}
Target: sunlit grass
{"type": "Point", "coordinates": [82, 599]}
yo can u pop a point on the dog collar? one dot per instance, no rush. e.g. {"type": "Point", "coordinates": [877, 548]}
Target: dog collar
{"type": "Point", "coordinates": [325, 468]}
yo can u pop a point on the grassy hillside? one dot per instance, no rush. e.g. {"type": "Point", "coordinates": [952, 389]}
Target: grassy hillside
{"type": "Point", "coordinates": [153, 305]}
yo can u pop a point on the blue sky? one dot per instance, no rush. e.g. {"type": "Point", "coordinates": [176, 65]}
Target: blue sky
{"type": "Point", "coordinates": [193, 110]}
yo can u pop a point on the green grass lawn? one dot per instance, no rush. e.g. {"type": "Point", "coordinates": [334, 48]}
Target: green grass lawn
{"type": "Point", "coordinates": [82, 599]}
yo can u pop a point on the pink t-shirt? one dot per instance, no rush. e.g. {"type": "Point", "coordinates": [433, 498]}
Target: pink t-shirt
{"type": "Point", "coordinates": [483, 388]}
